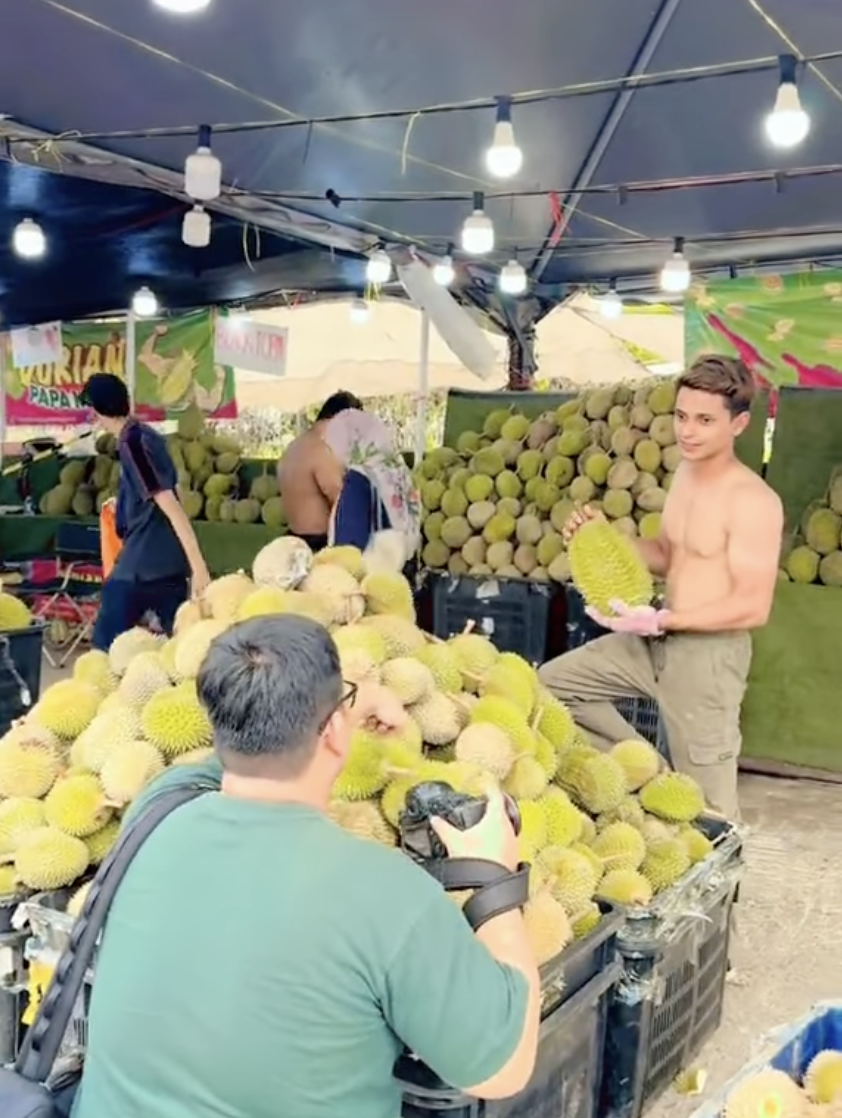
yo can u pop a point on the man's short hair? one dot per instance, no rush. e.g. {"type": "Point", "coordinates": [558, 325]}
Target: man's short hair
{"type": "Point", "coordinates": [107, 394]}
{"type": "Point", "coordinates": [269, 686]}
{"type": "Point", "coordinates": [337, 403]}
{"type": "Point", "coordinates": [728, 377]}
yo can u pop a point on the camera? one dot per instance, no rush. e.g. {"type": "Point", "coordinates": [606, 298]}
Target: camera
{"type": "Point", "coordinates": [435, 799]}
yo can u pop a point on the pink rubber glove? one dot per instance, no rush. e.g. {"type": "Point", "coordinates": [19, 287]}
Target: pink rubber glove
{"type": "Point", "coordinates": [641, 621]}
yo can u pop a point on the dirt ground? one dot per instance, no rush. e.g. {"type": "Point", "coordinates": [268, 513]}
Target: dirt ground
{"type": "Point", "coordinates": [787, 955]}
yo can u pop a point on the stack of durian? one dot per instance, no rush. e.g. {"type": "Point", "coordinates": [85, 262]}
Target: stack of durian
{"type": "Point", "coordinates": [770, 1091]}
{"type": "Point", "coordinates": [14, 614]}
{"type": "Point", "coordinates": [815, 553]}
{"type": "Point", "coordinates": [209, 483]}
{"type": "Point", "coordinates": [613, 826]}
{"type": "Point", "coordinates": [497, 502]}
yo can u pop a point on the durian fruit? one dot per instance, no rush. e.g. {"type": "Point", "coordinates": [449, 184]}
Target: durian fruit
{"type": "Point", "coordinates": [67, 708]}
{"type": "Point", "coordinates": [193, 647]}
{"type": "Point", "coordinates": [187, 615]}
{"type": "Point", "coordinates": [128, 645]}
{"type": "Point", "coordinates": [606, 566]}
{"type": "Point", "coordinates": [77, 806]}
{"type": "Point", "coordinates": [9, 886]}
{"type": "Point", "coordinates": [144, 677]}
{"type": "Point", "coordinates": [408, 679]}
{"type": "Point", "coordinates": [769, 1092]}
{"type": "Point", "coordinates": [674, 797]}
{"type": "Point", "coordinates": [108, 730]}
{"type": "Point", "coordinates": [698, 845]}
{"type": "Point", "coordinates": [363, 819]}
{"type": "Point", "coordinates": [349, 558]}
{"type": "Point", "coordinates": [665, 862]}
{"type": "Point", "coordinates": [225, 595]}
{"type": "Point", "coordinates": [127, 770]}
{"type": "Point", "coordinates": [527, 779]}
{"type": "Point", "coordinates": [175, 722]}
{"type": "Point", "coordinates": [597, 782]}
{"type": "Point", "coordinates": [93, 667]}
{"type": "Point", "coordinates": [400, 637]}
{"type": "Point", "coordinates": [487, 746]}
{"type": "Point", "coordinates": [564, 820]}
{"type": "Point", "coordinates": [340, 590]}
{"type": "Point", "coordinates": [50, 859]}
{"type": "Point", "coordinates": [14, 614]}
{"type": "Point", "coordinates": [18, 816]}
{"type": "Point", "coordinates": [77, 900]}
{"type": "Point", "coordinates": [443, 664]}
{"type": "Point", "coordinates": [547, 927]}
{"type": "Point", "coordinates": [439, 719]}
{"type": "Point", "coordinates": [627, 811]}
{"type": "Point", "coordinates": [823, 1077]}
{"type": "Point", "coordinates": [625, 887]}
{"type": "Point", "coordinates": [28, 767]}
{"type": "Point", "coordinates": [101, 842]}
{"type": "Point", "coordinates": [283, 563]}
{"type": "Point", "coordinates": [571, 876]}
{"type": "Point", "coordinates": [501, 713]}
{"type": "Point", "coordinates": [364, 773]}
{"type": "Point", "coordinates": [620, 847]}
{"type": "Point", "coordinates": [475, 655]}
{"type": "Point", "coordinates": [639, 760]}
{"type": "Point", "coordinates": [554, 720]}
{"type": "Point", "coordinates": [388, 593]}
{"type": "Point", "coordinates": [585, 921]}
{"type": "Point", "coordinates": [533, 831]}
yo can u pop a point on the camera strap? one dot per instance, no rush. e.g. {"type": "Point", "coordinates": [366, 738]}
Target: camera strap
{"type": "Point", "coordinates": [498, 890]}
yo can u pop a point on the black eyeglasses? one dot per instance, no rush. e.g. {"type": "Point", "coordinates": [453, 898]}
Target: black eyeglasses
{"type": "Point", "coordinates": [349, 697]}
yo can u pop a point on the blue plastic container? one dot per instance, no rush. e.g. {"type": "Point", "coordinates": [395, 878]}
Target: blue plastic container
{"type": "Point", "coordinates": [790, 1050]}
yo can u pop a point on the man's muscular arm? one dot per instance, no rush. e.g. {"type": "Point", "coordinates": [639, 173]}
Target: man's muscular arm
{"type": "Point", "coordinates": [754, 546]}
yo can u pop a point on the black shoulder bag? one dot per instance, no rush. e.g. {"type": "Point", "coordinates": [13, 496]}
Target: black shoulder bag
{"type": "Point", "coordinates": [30, 1088]}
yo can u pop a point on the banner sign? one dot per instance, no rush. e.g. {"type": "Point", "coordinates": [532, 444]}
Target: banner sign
{"type": "Point", "coordinates": [251, 345]}
{"type": "Point", "coordinates": [36, 345]}
{"type": "Point", "coordinates": [787, 329]}
{"type": "Point", "coordinates": [174, 367]}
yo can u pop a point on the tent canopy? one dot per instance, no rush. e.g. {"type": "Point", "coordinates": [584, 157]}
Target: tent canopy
{"type": "Point", "coordinates": [87, 69]}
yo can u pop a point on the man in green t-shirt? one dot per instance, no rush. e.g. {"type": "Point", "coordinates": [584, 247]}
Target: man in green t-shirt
{"type": "Point", "coordinates": [259, 961]}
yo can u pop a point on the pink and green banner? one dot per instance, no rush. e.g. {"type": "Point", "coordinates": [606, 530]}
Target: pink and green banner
{"type": "Point", "coordinates": [174, 367]}
{"type": "Point", "coordinates": [787, 329]}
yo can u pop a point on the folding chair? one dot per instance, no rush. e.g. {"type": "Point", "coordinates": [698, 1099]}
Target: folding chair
{"type": "Point", "coordinates": [68, 603]}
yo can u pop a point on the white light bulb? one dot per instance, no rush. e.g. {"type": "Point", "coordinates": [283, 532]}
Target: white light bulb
{"type": "Point", "coordinates": [203, 171]}
{"type": "Point", "coordinates": [145, 303]}
{"type": "Point", "coordinates": [443, 272]}
{"type": "Point", "coordinates": [378, 270]}
{"type": "Point", "coordinates": [359, 311]}
{"type": "Point", "coordinates": [504, 158]}
{"type": "Point", "coordinates": [675, 274]}
{"type": "Point", "coordinates": [196, 228]}
{"type": "Point", "coordinates": [787, 124]}
{"type": "Point", "coordinates": [478, 233]}
{"type": "Point", "coordinates": [183, 7]}
{"type": "Point", "coordinates": [513, 279]}
{"type": "Point", "coordinates": [611, 305]}
{"type": "Point", "coordinates": [28, 239]}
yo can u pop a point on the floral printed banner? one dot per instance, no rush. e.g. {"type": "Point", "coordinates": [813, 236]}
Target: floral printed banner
{"type": "Point", "coordinates": [787, 329]}
{"type": "Point", "coordinates": [174, 367]}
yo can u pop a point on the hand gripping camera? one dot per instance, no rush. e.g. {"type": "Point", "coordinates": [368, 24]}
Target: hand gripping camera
{"type": "Point", "coordinates": [497, 889]}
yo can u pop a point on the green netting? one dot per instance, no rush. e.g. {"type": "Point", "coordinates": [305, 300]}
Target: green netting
{"type": "Point", "coordinates": [793, 706]}
{"type": "Point", "coordinates": [467, 410]}
{"type": "Point", "coordinates": [806, 448]}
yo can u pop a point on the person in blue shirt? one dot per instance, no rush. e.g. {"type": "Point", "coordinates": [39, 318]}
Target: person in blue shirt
{"type": "Point", "coordinates": [378, 507]}
{"type": "Point", "coordinates": [160, 560]}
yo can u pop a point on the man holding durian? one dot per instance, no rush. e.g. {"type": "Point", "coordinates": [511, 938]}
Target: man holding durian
{"type": "Point", "coordinates": [717, 557]}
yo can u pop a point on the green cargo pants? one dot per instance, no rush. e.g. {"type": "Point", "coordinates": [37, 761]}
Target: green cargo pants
{"type": "Point", "coordinates": [697, 679]}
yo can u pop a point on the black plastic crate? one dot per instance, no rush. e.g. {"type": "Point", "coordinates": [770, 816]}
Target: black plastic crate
{"type": "Point", "coordinates": [644, 716]}
{"type": "Point", "coordinates": [669, 1001]}
{"type": "Point", "coordinates": [567, 1071]}
{"type": "Point", "coordinates": [20, 656]}
{"type": "Point", "coordinates": [513, 612]}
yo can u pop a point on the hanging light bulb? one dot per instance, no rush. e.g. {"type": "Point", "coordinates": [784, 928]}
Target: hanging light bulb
{"type": "Point", "coordinates": [196, 228]}
{"type": "Point", "coordinates": [202, 170]}
{"type": "Point", "coordinates": [28, 239]}
{"type": "Point", "coordinates": [183, 7]}
{"type": "Point", "coordinates": [787, 124]}
{"type": "Point", "coordinates": [478, 232]}
{"type": "Point", "coordinates": [378, 270]}
{"type": "Point", "coordinates": [675, 274]}
{"type": "Point", "coordinates": [611, 305]}
{"type": "Point", "coordinates": [443, 271]}
{"type": "Point", "coordinates": [504, 158]}
{"type": "Point", "coordinates": [513, 278]}
{"type": "Point", "coordinates": [145, 303]}
{"type": "Point", "coordinates": [359, 311]}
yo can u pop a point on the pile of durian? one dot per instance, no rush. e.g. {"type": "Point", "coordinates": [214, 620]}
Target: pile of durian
{"type": "Point", "coordinates": [819, 1095]}
{"type": "Point", "coordinates": [497, 502]}
{"type": "Point", "coordinates": [14, 613]}
{"type": "Point", "coordinates": [815, 552]}
{"type": "Point", "coordinates": [613, 826]}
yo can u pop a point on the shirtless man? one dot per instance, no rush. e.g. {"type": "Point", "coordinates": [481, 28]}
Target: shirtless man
{"type": "Point", "coordinates": [718, 554]}
{"type": "Point", "coordinates": [310, 477]}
